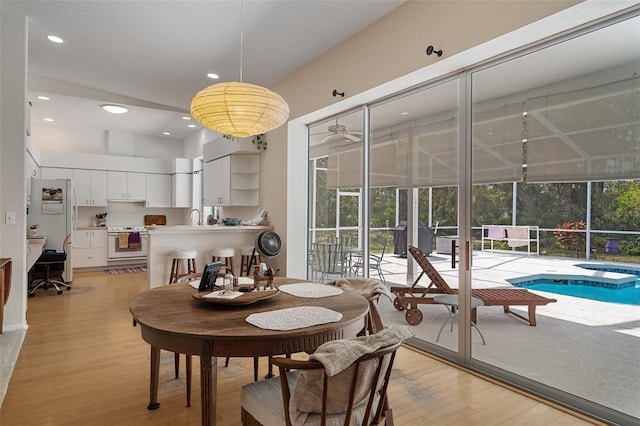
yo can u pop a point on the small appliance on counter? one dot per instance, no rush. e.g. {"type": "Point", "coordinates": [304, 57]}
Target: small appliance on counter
{"type": "Point", "coordinates": [100, 220]}
{"type": "Point", "coordinates": [231, 221]}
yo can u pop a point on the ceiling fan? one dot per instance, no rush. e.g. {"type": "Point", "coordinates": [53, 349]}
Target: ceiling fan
{"type": "Point", "coordinates": [339, 130]}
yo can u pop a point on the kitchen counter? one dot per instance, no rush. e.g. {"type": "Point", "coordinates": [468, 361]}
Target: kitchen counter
{"type": "Point", "coordinates": [91, 228]}
{"type": "Point", "coordinates": [203, 238]}
{"type": "Point", "coordinates": [35, 245]}
{"type": "Point", "coordinates": [187, 229]}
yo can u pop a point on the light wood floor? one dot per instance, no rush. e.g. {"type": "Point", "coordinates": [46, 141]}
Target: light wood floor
{"type": "Point", "coordinates": [82, 363]}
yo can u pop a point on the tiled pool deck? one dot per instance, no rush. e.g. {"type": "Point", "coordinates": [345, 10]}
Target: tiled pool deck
{"type": "Point", "coordinates": [585, 347]}
{"type": "Point", "coordinates": [498, 269]}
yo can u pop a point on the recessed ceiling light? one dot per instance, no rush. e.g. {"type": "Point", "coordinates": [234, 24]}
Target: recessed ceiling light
{"type": "Point", "coordinates": [43, 98]}
{"type": "Point", "coordinates": [186, 118]}
{"type": "Point", "coordinates": [404, 113]}
{"type": "Point", "coordinates": [55, 39]}
{"type": "Point", "coordinates": [50, 120]}
{"type": "Point", "coordinates": [191, 125]}
{"type": "Point", "coordinates": [166, 133]}
{"type": "Point", "coordinates": [213, 76]}
{"type": "Point", "coordinates": [114, 109]}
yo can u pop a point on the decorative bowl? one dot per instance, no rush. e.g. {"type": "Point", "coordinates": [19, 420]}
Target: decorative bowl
{"type": "Point", "coordinates": [231, 221]}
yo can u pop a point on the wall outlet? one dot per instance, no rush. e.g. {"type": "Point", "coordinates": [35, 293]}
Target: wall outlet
{"type": "Point", "coordinates": [10, 218]}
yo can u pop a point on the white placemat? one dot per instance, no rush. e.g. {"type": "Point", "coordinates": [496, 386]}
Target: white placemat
{"type": "Point", "coordinates": [245, 280]}
{"type": "Point", "coordinates": [219, 294]}
{"type": "Point", "coordinates": [311, 290]}
{"type": "Point", "coordinates": [195, 284]}
{"type": "Point", "coordinates": [293, 318]}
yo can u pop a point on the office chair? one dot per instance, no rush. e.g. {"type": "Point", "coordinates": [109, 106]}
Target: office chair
{"type": "Point", "coordinates": [51, 261]}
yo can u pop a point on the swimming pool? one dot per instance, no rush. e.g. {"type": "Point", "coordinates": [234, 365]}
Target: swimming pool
{"type": "Point", "coordinates": [623, 286]}
{"type": "Point", "coordinates": [625, 296]}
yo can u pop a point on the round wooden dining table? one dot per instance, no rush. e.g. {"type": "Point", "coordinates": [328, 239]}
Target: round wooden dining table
{"type": "Point", "coordinates": [171, 318]}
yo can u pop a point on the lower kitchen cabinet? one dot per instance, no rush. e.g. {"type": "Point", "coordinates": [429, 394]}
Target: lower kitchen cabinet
{"type": "Point", "coordinates": [89, 248]}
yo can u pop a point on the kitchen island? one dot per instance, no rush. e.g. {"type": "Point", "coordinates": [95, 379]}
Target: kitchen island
{"type": "Point", "coordinates": [165, 239]}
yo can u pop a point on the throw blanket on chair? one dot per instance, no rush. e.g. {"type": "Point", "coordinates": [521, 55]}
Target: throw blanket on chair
{"type": "Point", "coordinates": [337, 355]}
{"type": "Point", "coordinates": [370, 290]}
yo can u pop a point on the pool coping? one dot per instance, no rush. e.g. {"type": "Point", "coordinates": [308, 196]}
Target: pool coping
{"type": "Point", "coordinates": [589, 275]}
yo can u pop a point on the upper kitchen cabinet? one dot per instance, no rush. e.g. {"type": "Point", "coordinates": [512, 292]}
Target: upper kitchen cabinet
{"type": "Point", "coordinates": [181, 190]}
{"type": "Point", "coordinates": [182, 183]}
{"type": "Point", "coordinates": [233, 180]}
{"type": "Point", "coordinates": [126, 186]}
{"type": "Point", "coordinates": [221, 147]}
{"type": "Point", "coordinates": [91, 187]}
{"type": "Point", "coordinates": [158, 190]}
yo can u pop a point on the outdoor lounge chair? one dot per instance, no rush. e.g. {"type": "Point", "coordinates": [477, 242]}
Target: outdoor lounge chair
{"type": "Point", "coordinates": [408, 298]}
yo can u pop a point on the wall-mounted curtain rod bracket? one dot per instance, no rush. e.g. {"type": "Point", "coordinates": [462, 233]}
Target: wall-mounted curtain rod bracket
{"type": "Point", "coordinates": [431, 50]}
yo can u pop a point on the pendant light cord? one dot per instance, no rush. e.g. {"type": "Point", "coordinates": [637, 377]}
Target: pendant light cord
{"type": "Point", "coordinates": [241, 36]}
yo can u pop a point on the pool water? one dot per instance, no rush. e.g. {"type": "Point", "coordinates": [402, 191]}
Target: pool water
{"type": "Point", "coordinates": [626, 296]}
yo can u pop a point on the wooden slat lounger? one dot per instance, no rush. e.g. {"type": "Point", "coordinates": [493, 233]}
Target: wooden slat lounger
{"type": "Point", "coordinates": [408, 298]}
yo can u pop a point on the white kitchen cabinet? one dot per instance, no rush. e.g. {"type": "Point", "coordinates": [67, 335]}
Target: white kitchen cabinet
{"type": "Point", "coordinates": [233, 180]}
{"type": "Point", "coordinates": [89, 248]}
{"type": "Point", "coordinates": [91, 187]}
{"type": "Point", "coordinates": [158, 190]}
{"type": "Point", "coordinates": [216, 182]}
{"type": "Point", "coordinates": [126, 186]}
{"type": "Point", "coordinates": [181, 189]}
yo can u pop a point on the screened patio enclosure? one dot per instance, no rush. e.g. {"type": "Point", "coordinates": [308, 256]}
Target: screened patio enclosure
{"type": "Point", "coordinates": [546, 138]}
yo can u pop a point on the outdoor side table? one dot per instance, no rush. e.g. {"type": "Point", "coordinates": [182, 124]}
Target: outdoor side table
{"type": "Point", "coordinates": [450, 301]}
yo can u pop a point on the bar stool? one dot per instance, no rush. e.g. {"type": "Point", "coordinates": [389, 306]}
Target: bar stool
{"type": "Point", "coordinates": [245, 259]}
{"type": "Point", "coordinates": [177, 257]}
{"type": "Point", "coordinates": [224, 256]}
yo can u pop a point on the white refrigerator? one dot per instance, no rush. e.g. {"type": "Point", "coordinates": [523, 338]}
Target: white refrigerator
{"type": "Point", "coordinates": [52, 203]}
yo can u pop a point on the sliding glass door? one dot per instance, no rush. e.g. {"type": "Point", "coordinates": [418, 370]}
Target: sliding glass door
{"type": "Point", "coordinates": [509, 179]}
{"type": "Point", "coordinates": [548, 127]}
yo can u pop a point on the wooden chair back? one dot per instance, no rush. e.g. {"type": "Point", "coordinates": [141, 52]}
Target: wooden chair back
{"type": "Point", "coordinates": [65, 242]}
{"type": "Point", "coordinates": [431, 272]}
{"type": "Point", "coordinates": [380, 414]}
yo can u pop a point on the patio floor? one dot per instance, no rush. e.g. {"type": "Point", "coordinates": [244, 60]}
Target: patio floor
{"type": "Point", "coordinates": [581, 346]}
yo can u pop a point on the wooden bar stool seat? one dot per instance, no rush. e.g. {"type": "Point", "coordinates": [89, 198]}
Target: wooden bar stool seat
{"type": "Point", "coordinates": [245, 260]}
{"type": "Point", "coordinates": [177, 257]}
{"type": "Point", "coordinates": [224, 256]}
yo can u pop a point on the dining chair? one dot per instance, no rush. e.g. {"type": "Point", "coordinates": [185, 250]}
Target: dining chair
{"type": "Point", "coordinates": [304, 391]}
{"type": "Point", "coordinates": [327, 258]}
{"type": "Point", "coordinates": [375, 263]}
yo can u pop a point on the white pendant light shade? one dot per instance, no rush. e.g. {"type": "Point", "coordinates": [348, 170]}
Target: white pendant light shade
{"type": "Point", "coordinates": [239, 109]}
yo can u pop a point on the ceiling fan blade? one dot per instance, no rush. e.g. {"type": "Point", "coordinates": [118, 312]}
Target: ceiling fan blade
{"type": "Point", "coordinates": [326, 138]}
{"type": "Point", "coordinates": [352, 137]}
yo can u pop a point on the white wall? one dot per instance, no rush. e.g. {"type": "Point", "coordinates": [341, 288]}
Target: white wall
{"type": "Point", "coordinates": [130, 214]}
{"type": "Point", "coordinates": [13, 84]}
{"type": "Point", "coordinates": [50, 137]}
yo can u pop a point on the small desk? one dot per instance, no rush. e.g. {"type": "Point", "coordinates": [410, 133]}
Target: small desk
{"type": "Point", "coordinates": [450, 301]}
{"type": "Point", "coordinates": [171, 319]}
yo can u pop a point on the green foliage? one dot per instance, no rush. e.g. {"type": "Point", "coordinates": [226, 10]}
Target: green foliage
{"type": "Point", "coordinates": [491, 204]}
{"type": "Point", "coordinates": [260, 141]}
